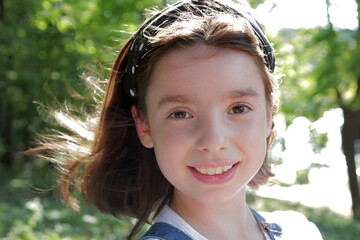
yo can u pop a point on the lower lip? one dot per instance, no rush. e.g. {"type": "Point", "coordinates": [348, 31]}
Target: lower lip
{"type": "Point", "coordinates": [215, 179]}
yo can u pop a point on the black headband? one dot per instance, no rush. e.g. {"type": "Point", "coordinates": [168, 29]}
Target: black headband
{"type": "Point", "coordinates": [140, 46]}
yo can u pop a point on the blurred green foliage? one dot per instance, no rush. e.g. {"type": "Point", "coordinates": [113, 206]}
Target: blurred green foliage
{"type": "Point", "coordinates": [31, 210]}
{"type": "Point", "coordinates": [44, 46]}
{"type": "Point", "coordinates": [322, 73]}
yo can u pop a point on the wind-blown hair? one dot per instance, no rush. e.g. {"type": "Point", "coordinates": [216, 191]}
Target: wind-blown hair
{"type": "Point", "coordinates": [121, 176]}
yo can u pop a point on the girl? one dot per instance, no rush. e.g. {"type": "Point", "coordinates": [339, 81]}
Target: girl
{"type": "Point", "coordinates": [185, 126]}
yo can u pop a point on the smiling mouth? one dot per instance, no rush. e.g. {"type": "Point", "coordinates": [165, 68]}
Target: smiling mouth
{"type": "Point", "coordinates": [214, 171]}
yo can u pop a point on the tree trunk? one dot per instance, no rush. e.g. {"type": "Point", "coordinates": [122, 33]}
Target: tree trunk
{"type": "Point", "coordinates": [349, 134]}
{"type": "Point", "coordinates": [1, 9]}
{"type": "Point", "coordinates": [8, 136]}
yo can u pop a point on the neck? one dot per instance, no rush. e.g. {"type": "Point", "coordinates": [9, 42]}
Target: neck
{"type": "Point", "coordinates": [227, 220]}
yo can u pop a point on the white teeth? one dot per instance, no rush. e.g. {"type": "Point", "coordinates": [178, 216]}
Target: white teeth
{"type": "Point", "coordinates": [226, 168]}
{"type": "Point", "coordinates": [214, 171]}
{"type": "Point", "coordinates": [210, 171]}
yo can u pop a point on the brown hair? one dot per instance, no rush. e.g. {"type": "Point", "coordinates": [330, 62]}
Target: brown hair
{"type": "Point", "coordinates": [121, 177]}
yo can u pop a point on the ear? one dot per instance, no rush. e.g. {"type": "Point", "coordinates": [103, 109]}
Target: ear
{"type": "Point", "coordinates": [142, 129]}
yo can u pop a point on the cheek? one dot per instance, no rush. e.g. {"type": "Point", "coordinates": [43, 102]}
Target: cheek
{"type": "Point", "coordinates": [171, 143]}
{"type": "Point", "coordinates": [172, 152]}
{"type": "Point", "coordinates": [251, 135]}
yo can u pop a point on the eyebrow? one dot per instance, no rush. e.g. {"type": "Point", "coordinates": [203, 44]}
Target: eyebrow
{"type": "Point", "coordinates": [174, 99]}
{"type": "Point", "coordinates": [239, 93]}
{"type": "Point", "coordinates": [232, 94]}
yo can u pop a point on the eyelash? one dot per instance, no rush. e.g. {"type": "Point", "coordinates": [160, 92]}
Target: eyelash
{"type": "Point", "coordinates": [173, 115]}
{"type": "Point", "coordinates": [245, 109]}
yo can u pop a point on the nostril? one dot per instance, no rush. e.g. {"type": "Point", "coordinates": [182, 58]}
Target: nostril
{"type": "Point", "coordinates": [213, 146]}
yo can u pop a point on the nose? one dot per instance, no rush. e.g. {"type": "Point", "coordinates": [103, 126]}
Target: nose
{"type": "Point", "coordinates": [213, 134]}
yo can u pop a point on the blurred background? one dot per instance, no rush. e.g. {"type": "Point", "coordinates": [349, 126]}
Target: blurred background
{"type": "Point", "coordinates": [47, 45]}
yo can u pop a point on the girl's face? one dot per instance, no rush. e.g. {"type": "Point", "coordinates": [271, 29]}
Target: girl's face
{"type": "Point", "coordinates": [208, 120]}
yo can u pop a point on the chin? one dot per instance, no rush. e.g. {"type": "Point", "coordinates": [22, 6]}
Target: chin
{"type": "Point", "coordinates": [219, 196]}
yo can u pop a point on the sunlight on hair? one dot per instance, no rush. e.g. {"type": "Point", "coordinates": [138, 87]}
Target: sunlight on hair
{"type": "Point", "coordinates": [74, 125]}
{"type": "Point", "coordinates": [94, 82]}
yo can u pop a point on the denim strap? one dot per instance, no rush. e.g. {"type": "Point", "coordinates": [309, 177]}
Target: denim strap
{"type": "Point", "coordinates": [273, 229]}
{"type": "Point", "coordinates": [165, 231]}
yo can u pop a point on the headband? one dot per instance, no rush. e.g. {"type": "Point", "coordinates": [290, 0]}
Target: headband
{"type": "Point", "coordinates": [140, 46]}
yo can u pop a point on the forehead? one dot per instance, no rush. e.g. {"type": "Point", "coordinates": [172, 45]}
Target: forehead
{"type": "Point", "coordinates": [202, 69]}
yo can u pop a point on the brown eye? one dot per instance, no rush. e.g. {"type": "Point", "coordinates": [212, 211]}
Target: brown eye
{"type": "Point", "coordinates": [179, 115]}
{"type": "Point", "coordinates": [239, 109]}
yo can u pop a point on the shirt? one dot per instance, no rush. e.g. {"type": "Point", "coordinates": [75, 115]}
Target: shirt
{"type": "Point", "coordinates": [294, 225]}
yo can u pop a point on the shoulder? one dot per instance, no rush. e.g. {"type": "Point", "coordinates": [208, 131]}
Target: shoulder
{"type": "Point", "coordinates": [164, 231]}
{"type": "Point", "coordinates": [169, 225]}
{"type": "Point", "coordinates": [294, 225]}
